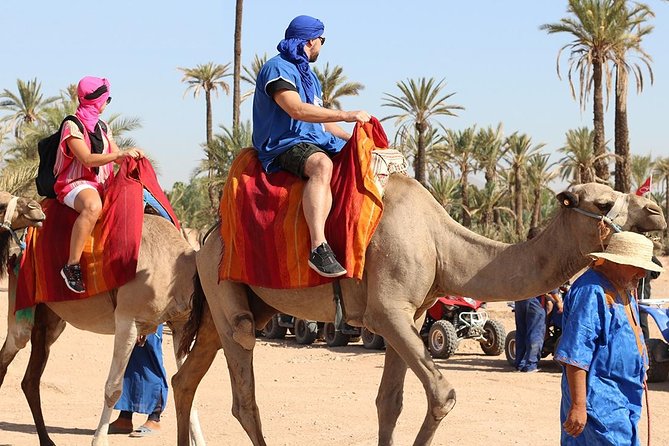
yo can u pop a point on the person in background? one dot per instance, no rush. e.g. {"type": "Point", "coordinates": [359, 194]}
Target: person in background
{"type": "Point", "coordinates": [530, 315]}
{"type": "Point", "coordinates": [643, 292]}
{"type": "Point", "coordinates": [144, 388]}
{"type": "Point", "coordinates": [601, 349]}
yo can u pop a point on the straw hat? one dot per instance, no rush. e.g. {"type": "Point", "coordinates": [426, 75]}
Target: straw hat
{"type": "Point", "coordinates": [629, 248]}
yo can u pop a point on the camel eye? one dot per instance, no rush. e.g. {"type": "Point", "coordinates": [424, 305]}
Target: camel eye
{"type": "Point", "coordinates": [604, 206]}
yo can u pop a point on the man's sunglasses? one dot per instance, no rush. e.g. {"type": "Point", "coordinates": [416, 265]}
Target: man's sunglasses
{"type": "Point", "coordinates": [322, 40]}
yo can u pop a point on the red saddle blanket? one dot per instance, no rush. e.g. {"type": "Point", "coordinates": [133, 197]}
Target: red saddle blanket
{"type": "Point", "coordinates": [265, 236]}
{"type": "Point", "coordinates": [110, 255]}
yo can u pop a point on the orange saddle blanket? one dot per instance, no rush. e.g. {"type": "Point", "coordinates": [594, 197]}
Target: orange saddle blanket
{"type": "Point", "coordinates": [265, 235]}
{"type": "Point", "coordinates": [110, 255]}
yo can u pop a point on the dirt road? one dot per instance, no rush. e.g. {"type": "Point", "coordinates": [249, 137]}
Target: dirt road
{"type": "Point", "coordinates": [310, 396]}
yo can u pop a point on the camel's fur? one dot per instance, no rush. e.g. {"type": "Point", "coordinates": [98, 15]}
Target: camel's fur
{"type": "Point", "coordinates": [159, 293]}
{"type": "Point", "coordinates": [417, 252]}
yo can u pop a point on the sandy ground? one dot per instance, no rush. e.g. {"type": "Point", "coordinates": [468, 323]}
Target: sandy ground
{"type": "Point", "coordinates": [310, 395]}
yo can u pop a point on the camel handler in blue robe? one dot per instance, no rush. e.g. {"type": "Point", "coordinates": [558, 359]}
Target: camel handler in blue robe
{"type": "Point", "coordinates": [602, 350]}
{"type": "Point", "coordinates": [292, 131]}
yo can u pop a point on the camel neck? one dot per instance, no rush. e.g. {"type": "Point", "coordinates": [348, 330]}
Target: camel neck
{"type": "Point", "coordinates": [489, 270]}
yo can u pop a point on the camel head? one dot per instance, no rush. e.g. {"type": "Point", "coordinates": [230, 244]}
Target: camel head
{"type": "Point", "coordinates": [26, 212]}
{"type": "Point", "coordinates": [628, 211]}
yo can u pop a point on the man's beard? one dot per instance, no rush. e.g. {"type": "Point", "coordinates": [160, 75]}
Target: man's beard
{"type": "Point", "coordinates": [313, 57]}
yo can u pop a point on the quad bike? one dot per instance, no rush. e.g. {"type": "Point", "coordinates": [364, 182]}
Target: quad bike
{"type": "Point", "coordinates": [658, 349]}
{"type": "Point", "coordinates": [453, 318]}
{"type": "Point", "coordinates": [306, 332]}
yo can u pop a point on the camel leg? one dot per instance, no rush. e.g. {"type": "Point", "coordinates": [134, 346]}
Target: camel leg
{"type": "Point", "coordinates": [189, 375]}
{"type": "Point", "coordinates": [238, 355]}
{"type": "Point", "coordinates": [398, 330]}
{"type": "Point", "coordinates": [196, 438]}
{"type": "Point", "coordinates": [18, 335]}
{"type": "Point", "coordinates": [125, 339]}
{"type": "Point", "coordinates": [390, 396]}
{"type": "Point", "coordinates": [48, 327]}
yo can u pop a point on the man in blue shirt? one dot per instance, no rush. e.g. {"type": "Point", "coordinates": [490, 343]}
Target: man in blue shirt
{"type": "Point", "coordinates": [602, 349]}
{"type": "Point", "coordinates": [293, 132]}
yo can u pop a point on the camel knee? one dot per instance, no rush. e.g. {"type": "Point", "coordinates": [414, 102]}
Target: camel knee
{"type": "Point", "coordinates": [243, 330]}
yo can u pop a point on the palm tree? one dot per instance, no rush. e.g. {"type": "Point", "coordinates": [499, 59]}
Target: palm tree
{"type": "Point", "coordinates": [641, 167]}
{"type": "Point", "coordinates": [595, 26]}
{"type": "Point", "coordinates": [661, 171]}
{"type": "Point", "coordinates": [334, 86]}
{"type": "Point", "coordinates": [206, 78]}
{"type": "Point", "coordinates": [518, 154]}
{"type": "Point", "coordinates": [539, 174]}
{"type": "Point", "coordinates": [419, 103]}
{"type": "Point", "coordinates": [251, 73]}
{"type": "Point", "coordinates": [578, 164]}
{"type": "Point", "coordinates": [26, 106]}
{"type": "Point", "coordinates": [486, 202]}
{"type": "Point", "coordinates": [636, 29]}
{"type": "Point", "coordinates": [488, 149]}
{"type": "Point", "coordinates": [237, 70]}
{"type": "Point", "coordinates": [220, 154]}
{"type": "Point", "coordinates": [460, 146]}
{"type": "Point", "coordinates": [444, 190]}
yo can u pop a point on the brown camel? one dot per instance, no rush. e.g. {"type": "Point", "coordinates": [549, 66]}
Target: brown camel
{"type": "Point", "coordinates": [159, 293]}
{"type": "Point", "coordinates": [417, 251]}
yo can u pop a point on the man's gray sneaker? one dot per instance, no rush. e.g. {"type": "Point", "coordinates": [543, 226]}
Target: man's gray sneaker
{"type": "Point", "coordinates": [72, 276]}
{"type": "Point", "coordinates": [323, 261]}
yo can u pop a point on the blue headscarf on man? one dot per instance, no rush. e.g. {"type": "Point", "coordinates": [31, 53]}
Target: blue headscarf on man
{"type": "Point", "coordinates": [301, 29]}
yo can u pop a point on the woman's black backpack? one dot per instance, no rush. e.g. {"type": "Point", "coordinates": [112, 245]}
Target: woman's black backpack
{"type": "Point", "coordinates": [48, 149]}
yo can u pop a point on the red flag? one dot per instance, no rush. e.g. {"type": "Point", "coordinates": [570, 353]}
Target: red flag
{"type": "Point", "coordinates": [645, 187]}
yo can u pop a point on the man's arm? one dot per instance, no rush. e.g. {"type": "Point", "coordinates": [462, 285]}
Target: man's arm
{"type": "Point", "coordinates": [337, 131]}
{"type": "Point", "coordinates": [577, 416]}
{"type": "Point", "coordinates": [292, 104]}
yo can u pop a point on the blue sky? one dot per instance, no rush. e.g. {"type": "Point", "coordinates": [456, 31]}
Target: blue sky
{"type": "Point", "coordinates": [490, 53]}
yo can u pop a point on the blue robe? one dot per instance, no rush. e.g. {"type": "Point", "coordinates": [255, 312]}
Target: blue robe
{"type": "Point", "coordinates": [145, 379]}
{"type": "Point", "coordinates": [598, 336]}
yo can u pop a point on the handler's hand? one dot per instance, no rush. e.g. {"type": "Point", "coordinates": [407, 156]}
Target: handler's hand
{"type": "Point", "coordinates": [358, 116]}
{"type": "Point", "coordinates": [576, 419]}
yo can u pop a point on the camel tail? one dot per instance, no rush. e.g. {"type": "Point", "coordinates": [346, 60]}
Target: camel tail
{"type": "Point", "coordinates": [198, 303]}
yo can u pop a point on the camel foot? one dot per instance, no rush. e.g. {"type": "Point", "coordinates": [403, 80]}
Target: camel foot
{"type": "Point", "coordinates": [243, 331]}
{"type": "Point", "coordinates": [440, 412]}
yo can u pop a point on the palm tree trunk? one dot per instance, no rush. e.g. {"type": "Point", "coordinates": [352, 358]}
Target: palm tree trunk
{"type": "Point", "coordinates": [464, 184]}
{"type": "Point", "coordinates": [420, 154]}
{"type": "Point", "coordinates": [236, 94]}
{"type": "Point", "coordinates": [666, 202]}
{"type": "Point", "coordinates": [601, 167]}
{"type": "Point", "coordinates": [207, 96]}
{"type": "Point", "coordinates": [623, 169]}
{"type": "Point", "coordinates": [536, 208]}
{"type": "Point", "coordinates": [518, 198]}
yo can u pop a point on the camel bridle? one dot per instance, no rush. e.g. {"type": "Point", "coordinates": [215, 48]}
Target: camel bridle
{"type": "Point", "coordinates": [7, 223]}
{"type": "Point", "coordinates": [608, 219]}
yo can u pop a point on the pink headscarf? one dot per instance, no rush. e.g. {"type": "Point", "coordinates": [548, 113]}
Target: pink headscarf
{"type": "Point", "coordinates": [88, 111]}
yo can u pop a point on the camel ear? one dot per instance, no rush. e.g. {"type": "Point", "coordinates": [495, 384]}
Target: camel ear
{"type": "Point", "coordinates": [568, 199]}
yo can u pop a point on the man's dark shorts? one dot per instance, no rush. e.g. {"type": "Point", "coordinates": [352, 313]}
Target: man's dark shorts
{"type": "Point", "coordinates": [294, 159]}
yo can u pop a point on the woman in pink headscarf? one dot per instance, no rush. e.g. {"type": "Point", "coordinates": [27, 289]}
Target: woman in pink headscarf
{"type": "Point", "coordinates": [83, 165]}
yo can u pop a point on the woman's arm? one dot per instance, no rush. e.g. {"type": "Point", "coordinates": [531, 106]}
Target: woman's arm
{"type": "Point", "coordinates": [115, 148]}
{"type": "Point", "coordinates": [81, 151]}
